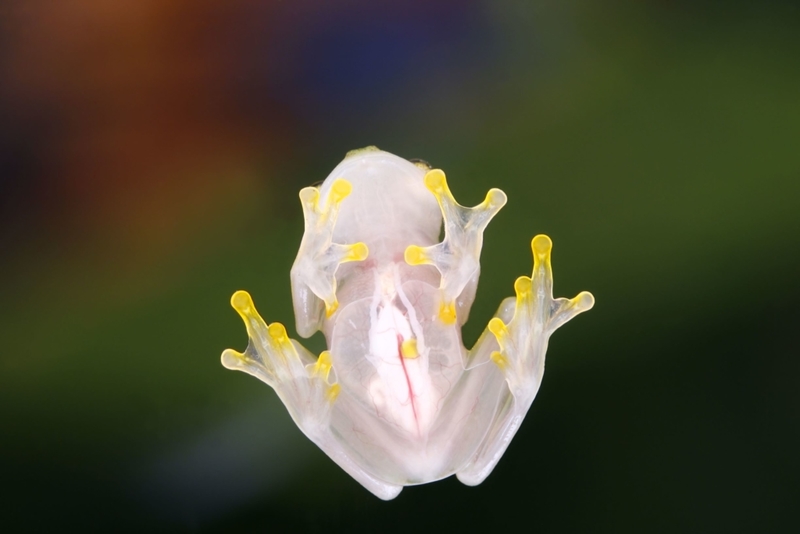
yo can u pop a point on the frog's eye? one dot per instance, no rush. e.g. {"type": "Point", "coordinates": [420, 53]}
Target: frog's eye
{"type": "Point", "coordinates": [421, 163]}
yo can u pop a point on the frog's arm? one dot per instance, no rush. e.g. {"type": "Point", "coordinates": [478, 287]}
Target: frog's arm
{"type": "Point", "coordinates": [517, 346]}
{"type": "Point", "coordinates": [301, 381]}
{"type": "Point", "coordinates": [313, 273]}
{"type": "Point", "coordinates": [457, 257]}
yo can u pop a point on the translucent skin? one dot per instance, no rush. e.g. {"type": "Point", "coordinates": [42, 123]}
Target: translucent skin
{"type": "Point", "coordinates": [397, 400]}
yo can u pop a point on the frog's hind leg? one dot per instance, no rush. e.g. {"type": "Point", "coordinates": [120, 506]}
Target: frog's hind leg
{"type": "Point", "coordinates": [522, 341]}
{"type": "Point", "coordinates": [299, 378]}
{"type": "Point", "coordinates": [457, 257]}
{"type": "Point", "coordinates": [305, 385]}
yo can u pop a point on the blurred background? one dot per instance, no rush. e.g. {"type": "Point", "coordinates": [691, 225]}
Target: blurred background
{"type": "Point", "coordinates": [150, 157]}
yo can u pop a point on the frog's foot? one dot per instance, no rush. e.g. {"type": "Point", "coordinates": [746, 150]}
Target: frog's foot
{"type": "Point", "coordinates": [299, 379]}
{"type": "Point", "coordinates": [304, 384]}
{"type": "Point", "coordinates": [522, 339]}
{"type": "Point", "coordinates": [457, 257]}
{"type": "Point", "coordinates": [313, 272]}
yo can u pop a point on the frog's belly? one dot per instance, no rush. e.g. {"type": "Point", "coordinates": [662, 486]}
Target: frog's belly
{"type": "Point", "coordinates": [398, 364]}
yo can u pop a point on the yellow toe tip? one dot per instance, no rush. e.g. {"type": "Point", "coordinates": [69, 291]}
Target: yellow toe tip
{"type": "Point", "coordinates": [277, 331]}
{"type": "Point", "coordinates": [323, 366]}
{"type": "Point", "coordinates": [496, 198]}
{"type": "Point", "coordinates": [333, 392]}
{"type": "Point", "coordinates": [241, 301]}
{"type": "Point", "coordinates": [409, 348]}
{"type": "Point", "coordinates": [497, 327]}
{"type": "Point", "coordinates": [584, 301]}
{"type": "Point", "coordinates": [498, 359]}
{"type": "Point", "coordinates": [309, 195]}
{"type": "Point", "coordinates": [331, 308]}
{"type": "Point", "coordinates": [447, 312]}
{"type": "Point", "coordinates": [358, 252]}
{"type": "Point", "coordinates": [523, 285]}
{"type": "Point", "coordinates": [324, 358]}
{"type": "Point", "coordinates": [541, 245]}
{"type": "Point", "coordinates": [435, 180]}
{"type": "Point", "coordinates": [340, 189]}
{"type": "Point", "coordinates": [231, 358]}
{"type": "Point", "coordinates": [414, 255]}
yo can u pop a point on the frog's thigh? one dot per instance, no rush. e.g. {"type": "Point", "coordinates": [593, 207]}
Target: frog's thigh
{"type": "Point", "coordinates": [496, 403]}
{"type": "Point", "coordinates": [502, 428]}
{"type": "Point", "coordinates": [346, 460]}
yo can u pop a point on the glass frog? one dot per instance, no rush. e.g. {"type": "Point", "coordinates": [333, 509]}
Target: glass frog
{"type": "Point", "coordinates": [397, 400]}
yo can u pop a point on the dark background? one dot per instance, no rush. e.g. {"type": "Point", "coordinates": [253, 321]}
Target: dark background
{"type": "Point", "coordinates": [150, 157]}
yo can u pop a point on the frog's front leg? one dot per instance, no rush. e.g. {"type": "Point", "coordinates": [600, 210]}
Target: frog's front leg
{"type": "Point", "coordinates": [303, 382]}
{"type": "Point", "coordinates": [457, 257]}
{"type": "Point", "coordinates": [313, 273]}
{"type": "Point", "coordinates": [522, 338]}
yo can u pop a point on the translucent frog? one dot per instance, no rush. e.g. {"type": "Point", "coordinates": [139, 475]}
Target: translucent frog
{"type": "Point", "coordinates": [397, 400]}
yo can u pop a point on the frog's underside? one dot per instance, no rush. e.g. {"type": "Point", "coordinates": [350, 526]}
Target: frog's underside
{"type": "Point", "coordinates": [397, 400]}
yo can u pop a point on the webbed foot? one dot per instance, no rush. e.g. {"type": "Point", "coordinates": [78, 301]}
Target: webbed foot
{"type": "Point", "coordinates": [313, 272]}
{"type": "Point", "coordinates": [457, 257]}
{"type": "Point", "coordinates": [523, 341]}
{"type": "Point", "coordinates": [521, 329]}
{"type": "Point", "coordinates": [299, 379]}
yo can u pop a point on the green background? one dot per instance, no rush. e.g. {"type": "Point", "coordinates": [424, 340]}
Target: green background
{"type": "Point", "coordinates": [150, 159]}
